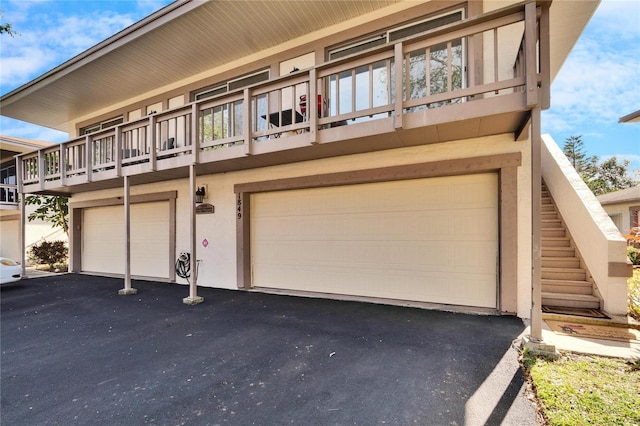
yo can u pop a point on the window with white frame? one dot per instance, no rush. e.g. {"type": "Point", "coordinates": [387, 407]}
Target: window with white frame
{"type": "Point", "coordinates": [101, 125]}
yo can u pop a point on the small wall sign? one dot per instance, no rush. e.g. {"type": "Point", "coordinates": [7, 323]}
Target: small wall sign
{"type": "Point", "coordinates": [205, 209]}
{"type": "Point", "coordinates": [205, 243]}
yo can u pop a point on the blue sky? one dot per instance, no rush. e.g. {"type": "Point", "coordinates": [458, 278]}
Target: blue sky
{"type": "Point", "coordinates": [598, 84]}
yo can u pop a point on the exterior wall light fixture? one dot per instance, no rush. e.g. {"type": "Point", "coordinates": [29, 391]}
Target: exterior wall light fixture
{"type": "Point", "coordinates": [200, 194]}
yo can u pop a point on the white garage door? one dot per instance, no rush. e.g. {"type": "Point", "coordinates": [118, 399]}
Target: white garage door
{"type": "Point", "coordinates": [431, 240]}
{"type": "Point", "coordinates": [10, 239]}
{"type": "Point", "coordinates": [103, 240]}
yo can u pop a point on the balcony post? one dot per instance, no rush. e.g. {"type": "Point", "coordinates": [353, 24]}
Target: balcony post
{"type": "Point", "coordinates": [195, 132]}
{"type": "Point", "coordinates": [151, 141]}
{"type": "Point", "coordinates": [246, 127]}
{"type": "Point", "coordinates": [118, 154]}
{"type": "Point", "coordinates": [89, 154]}
{"type": "Point", "coordinates": [127, 290]}
{"type": "Point", "coordinates": [398, 85]}
{"type": "Point", "coordinates": [41, 168]}
{"type": "Point", "coordinates": [530, 62]}
{"type": "Point", "coordinates": [545, 57]}
{"type": "Point", "coordinates": [63, 164]}
{"type": "Point", "coordinates": [312, 106]}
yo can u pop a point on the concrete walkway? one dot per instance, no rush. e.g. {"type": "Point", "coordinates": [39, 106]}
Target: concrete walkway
{"type": "Point", "coordinates": [591, 346]}
{"type": "Point", "coordinates": [32, 272]}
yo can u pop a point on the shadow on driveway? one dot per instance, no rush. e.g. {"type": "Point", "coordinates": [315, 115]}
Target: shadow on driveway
{"type": "Point", "coordinates": [74, 352]}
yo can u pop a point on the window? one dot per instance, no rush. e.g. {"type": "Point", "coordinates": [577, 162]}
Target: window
{"type": "Point", "coordinates": [395, 34]}
{"type": "Point", "coordinates": [616, 218]}
{"type": "Point", "coordinates": [8, 193]}
{"type": "Point", "coordinates": [101, 125]}
{"type": "Point", "coordinates": [634, 215]}
{"type": "Point", "coordinates": [420, 27]}
{"type": "Point", "coordinates": [231, 85]}
{"type": "Point", "coordinates": [358, 46]}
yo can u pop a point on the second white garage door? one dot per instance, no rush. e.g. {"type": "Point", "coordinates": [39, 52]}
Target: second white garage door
{"type": "Point", "coordinates": [103, 240]}
{"type": "Point", "coordinates": [430, 240]}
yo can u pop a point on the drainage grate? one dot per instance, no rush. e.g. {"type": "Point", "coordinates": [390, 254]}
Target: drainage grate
{"type": "Point", "coordinates": [581, 312]}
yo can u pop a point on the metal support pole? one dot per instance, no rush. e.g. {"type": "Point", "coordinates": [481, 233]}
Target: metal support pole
{"type": "Point", "coordinates": [536, 232]}
{"type": "Point", "coordinates": [127, 290]}
{"type": "Point", "coordinates": [21, 236]}
{"type": "Point", "coordinates": [193, 298]}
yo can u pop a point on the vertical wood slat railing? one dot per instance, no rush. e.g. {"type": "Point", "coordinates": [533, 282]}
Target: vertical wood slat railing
{"type": "Point", "coordinates": [362, 87]}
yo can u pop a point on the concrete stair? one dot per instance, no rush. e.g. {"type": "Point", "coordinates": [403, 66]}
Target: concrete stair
{"type": "Point", "coordinates": [565, 282]}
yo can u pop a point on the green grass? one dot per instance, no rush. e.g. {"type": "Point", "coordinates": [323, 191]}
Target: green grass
{"type": "Point", "coordinates": [586, 390]}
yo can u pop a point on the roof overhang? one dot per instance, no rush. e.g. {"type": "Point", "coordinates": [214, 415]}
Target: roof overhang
{"type": "Point", "coordinates": [11, 146]}
{"type": "Point", "coordinates": [190, 38]}
{"type": "Point", "coordinates": [634, 117]}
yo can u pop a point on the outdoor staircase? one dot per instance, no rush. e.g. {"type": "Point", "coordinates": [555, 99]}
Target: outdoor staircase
{"type": "Point", "coordinates": [565, 281]}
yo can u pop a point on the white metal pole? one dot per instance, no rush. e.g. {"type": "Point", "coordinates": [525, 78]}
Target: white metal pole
{"type": "Point", "coordinates": [127, 290]}
{"type": "Point", "coordinates": [21, 236]}
{"type": "Point", "coordinates": [536, 232]}
{"type": "Point", "coordinates": [193, 298]}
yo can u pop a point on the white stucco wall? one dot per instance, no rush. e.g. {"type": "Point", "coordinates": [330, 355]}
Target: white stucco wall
{"type": "Point", "coordinates": [218, 266]}
{"type": "Point", "coordinates": [35, 232]}
{"type": "Point", "coordinates": [623, 210]}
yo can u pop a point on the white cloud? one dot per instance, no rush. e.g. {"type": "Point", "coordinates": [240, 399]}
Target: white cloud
{"type": "Point", "coordinates": [600, 81]}
{"type": "Point", "coordinates": [11, 127]}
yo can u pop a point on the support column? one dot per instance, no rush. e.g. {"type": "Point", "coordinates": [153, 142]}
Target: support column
{"type": "Point", "coordinates": [534, 341]}
{"type": "Point", "coordinates": [21, 236]}
{"type": "Point", "coordinates": [193, 298]}
{"type": "Point", "coordinates": [127, 290]}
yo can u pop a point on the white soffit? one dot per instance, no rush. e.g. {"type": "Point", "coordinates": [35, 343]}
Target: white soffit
{"type": "Point", "coordinates": [181, 40]}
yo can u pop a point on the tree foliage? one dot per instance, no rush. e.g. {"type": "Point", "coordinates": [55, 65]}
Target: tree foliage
{"type": "Point", "coordinates": [610, 176]}
{"type": "Point", "coordinates": [6, 28]}
{"type": "Point", "coordinates": [51, 208]}
{"type": "Point", "coordinates": [600, 176]}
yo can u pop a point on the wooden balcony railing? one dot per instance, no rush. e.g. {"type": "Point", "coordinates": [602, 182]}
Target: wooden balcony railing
{"type": "Point", "coordinates": [389, 83]}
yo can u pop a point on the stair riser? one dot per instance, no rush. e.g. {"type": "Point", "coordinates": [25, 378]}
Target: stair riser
{"type": "Point", "coordinates": [549, 301]}
{"type": "Point", "coordinates": [553, 242]}
{"type": "Point", "coordinates": [563, 275]}
{"type": "Point", "coordinates": [573, 289]}
{"type": "Point", "coordinates": [552, 233]}
{"type": "Point", "coordinates": [558, 252]}
{"type": "Point", "coordinates": [551, 224]}
{"type": "Point", "coordinates": [568, 262]}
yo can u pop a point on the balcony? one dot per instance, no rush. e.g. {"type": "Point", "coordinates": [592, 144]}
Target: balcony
{"type": "Point", "coordinates": [473, 78]}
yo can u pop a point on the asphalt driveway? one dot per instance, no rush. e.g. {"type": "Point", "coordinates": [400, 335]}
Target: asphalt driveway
{"type": "Point", "coordinates": [74, 352]}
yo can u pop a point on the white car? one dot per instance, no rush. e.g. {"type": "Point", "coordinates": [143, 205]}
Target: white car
{"type": "Point", "coordinates": [10, 271]}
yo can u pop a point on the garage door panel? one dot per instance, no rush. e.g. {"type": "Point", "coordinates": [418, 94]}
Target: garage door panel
{"type": "Point", "coordinates": [445, 225]}
{"type": "Point", "coordinates": [413, 255]}
{"type": "Point", "coordinates": [400, 284]}
{"type": "Point", "coordinates": [432, 240]}
{"type": "Point", "coordinates": [103, 239]}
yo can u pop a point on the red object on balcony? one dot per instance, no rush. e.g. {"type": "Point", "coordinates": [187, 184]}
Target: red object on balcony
{"type": "Point", "coordinates": [303, 104]}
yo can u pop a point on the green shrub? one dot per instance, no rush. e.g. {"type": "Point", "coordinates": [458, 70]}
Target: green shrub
{"type": "Point", "coordinates": [50, 252]}
{"type": "Point", "coordinates": [634, 294]}
{"type": "Point", "coordinates": [634, 255]}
